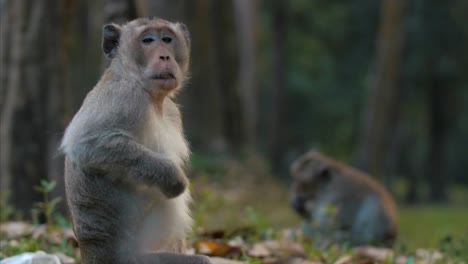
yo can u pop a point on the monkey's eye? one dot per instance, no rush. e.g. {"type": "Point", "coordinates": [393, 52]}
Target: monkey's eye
{"type": "Point", "coordinates": [147, 39]}
{"type": "Point", "coordinates": [166, 39]}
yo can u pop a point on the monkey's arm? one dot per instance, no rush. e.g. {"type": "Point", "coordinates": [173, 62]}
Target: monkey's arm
{"type": "Point", "coordinates": [117, 151]}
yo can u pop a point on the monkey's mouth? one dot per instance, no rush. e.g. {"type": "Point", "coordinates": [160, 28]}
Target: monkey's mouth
{"type": "Point", "coordinates": [163, 76]}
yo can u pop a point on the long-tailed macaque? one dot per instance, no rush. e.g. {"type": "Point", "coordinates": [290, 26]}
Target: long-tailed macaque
{"type": "Point", "coordinates": [340, 203]}
{"type": "Point", "coordinates": [125, 150]}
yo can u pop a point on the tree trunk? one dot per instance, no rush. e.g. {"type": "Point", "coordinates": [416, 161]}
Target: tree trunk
{"type": "Point", "coordinates": [278, 104]}
{"type": "Point", "coordinates": [227, 66]}
{"type": "Point", "coordinates": [438, 129]}
{"type": "Point", "coordinates": [31, 121]}
{"type": "Point", "coordinates": [384, 91]}
{"type": "Point", "coordinates": [119, 11]}
{"type": "Point", "coordinates": [246, 20]}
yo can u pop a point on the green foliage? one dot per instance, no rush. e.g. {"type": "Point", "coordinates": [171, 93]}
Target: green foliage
{"type": "Point", "coordinates": [207, 203]}
{"type": "Point", "coordinates": [33, 244]}
{"type": "Point", "coordinates": [250, 260]}
{"type": "Point", "coordinates": [47, 206]}
{"type": "Point", "coordinates": [29, 244]}
{"type": "Point", "coordinates": [254, 219]}
{"type": "Point", "coordinates": [207, 165]}
{"type": "Point", "coordinates": [454, 247]}
{"type": "Point", "coordinates": [443, 223]}
{"type": "Point", "coordinates": [7, 210]}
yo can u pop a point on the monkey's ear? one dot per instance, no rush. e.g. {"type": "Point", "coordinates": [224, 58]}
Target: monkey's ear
{"type": "Point", "coordinates": [110, 39]}
{"type": "Point", "coordinates": [183, 28]}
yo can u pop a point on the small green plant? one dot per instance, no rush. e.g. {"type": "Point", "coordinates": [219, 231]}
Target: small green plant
{"type": "Point", "coordinates": [208, 202]}
{"type": "Point", "coordinates": [27, 244]}
{"type": "Point", "coordinates": [47, 206]}
{"type": "Point", "coordinates": [251, 260]}
{"type": "Point", "coordinates": [7, 211]}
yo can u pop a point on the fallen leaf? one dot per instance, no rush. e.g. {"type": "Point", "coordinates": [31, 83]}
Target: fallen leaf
{"type": "Point", "coordinates": [215, 248]}
{"type": "Point", "coordinates": [39, 231]}
{"type": "Point", "coordinates": [378, 254]}
{"type": "Point", "coordinates": [368, 254]}
{"type": "Point", "coordinates": [236, 242]}
{"type": "Point", "coordinates": [259, 250]}
{"type": "Point", "coordinates": [285, 247]}
{"type": "Point", "coordinates": [344, 260]}
{"type": "Point", "coordinates": [431, 255]}
{"type": "Point", "coordinates": [15, 229]}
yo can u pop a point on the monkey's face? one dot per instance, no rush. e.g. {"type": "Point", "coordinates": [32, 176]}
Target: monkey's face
{"type": "Point", "coordinates": [157, 51]}
{"type": "Point", "coordinates": [310, 176]}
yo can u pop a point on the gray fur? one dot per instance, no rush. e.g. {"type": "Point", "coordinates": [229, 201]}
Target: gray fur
{"type": "Point", "coordinates": [125, 157]}
{"type": "Point", "coordinates": [341, 204]}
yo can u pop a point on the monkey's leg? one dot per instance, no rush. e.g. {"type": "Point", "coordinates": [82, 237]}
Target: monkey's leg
{"type": "Point", "coordinates": [172, 258]}
{"type": "Point", "coordinates": [119, 152]}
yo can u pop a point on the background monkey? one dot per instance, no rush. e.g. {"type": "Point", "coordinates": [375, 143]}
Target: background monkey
{"type": "Point", "coordinates": [341, 203]}
{"type": "Point", "coordinates": [125, 150]}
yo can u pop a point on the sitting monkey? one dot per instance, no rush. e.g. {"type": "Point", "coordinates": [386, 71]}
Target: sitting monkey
{"type": "Point", "coordinates": [125, 150]}
{"type": "Point", "coordinates": [341, 204]}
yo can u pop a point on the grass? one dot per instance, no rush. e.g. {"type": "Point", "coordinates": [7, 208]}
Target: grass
{"type": "Point", "coordinates": [427, 226]}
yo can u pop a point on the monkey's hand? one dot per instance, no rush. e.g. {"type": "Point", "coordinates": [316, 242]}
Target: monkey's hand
{"type": "Point", "coordinates": [175, 183]}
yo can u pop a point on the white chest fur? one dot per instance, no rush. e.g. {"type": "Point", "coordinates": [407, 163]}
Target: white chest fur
{"type": "Point", "coordinates": [164, 135]}
{"type": "Point", "coordinates": [168, 220]}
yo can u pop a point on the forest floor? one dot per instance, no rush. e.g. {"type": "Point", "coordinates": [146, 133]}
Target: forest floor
{"type": "Point", "coordinates": [244, 215]}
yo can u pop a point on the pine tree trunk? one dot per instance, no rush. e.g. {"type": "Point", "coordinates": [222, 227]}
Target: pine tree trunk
{"type": "Point", "coordinates": [383, 96]}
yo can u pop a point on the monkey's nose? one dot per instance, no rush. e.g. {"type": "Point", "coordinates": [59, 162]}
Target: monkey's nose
{"type": "Point", "coordinates": [164, 58]}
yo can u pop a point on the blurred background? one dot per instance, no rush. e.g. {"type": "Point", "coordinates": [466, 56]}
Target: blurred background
{"type": "Point", "coordinates": [381, 85]}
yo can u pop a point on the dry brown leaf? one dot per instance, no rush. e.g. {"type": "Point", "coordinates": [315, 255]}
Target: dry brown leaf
{"type": "Point", "coordinates": [259, 250]}
{"type": "Point", "coordinates": [39, 231]}
{"type": "Point", "coordinates": [285, 247]}
{"type": "Point", "coordinates": [15, 229]}
{"type": "Point", "coordinates": [215, 248]}
{"type": "Point", "coordinates": [236, 242]}
{"type": "Point", "coordinates": [427, 254]}
{"type": "Point", "coordinates": [378, 254]}
{"type": "Point", "coordinates": [344, 260]}
{"type": "Point", "coordinates": [369, 254]}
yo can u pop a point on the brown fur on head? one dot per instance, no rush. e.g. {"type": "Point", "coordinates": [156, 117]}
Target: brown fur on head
{"type": "Point", "coordinates": [153, 51]}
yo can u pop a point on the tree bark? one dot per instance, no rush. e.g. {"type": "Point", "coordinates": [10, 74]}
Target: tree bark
{"type": "Point", "coordinates": [440, 94]}
{"type": "Point", "coordinates": [383, 98]}
{"type": "Point", "coordinates": [31, 117]}
{"type": "Point", "coordinates": [227, 65]}
{"type": "Point", "coordinates": [12, 39]}
{"type": "Point", "coordinates": [119, 11]}
{"type": "Point", "coordinates": [246, 16]}
{"type": "Point", "coordinates": [438, 98]}
{"type": "Point", "coordinates": [280, 68]}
